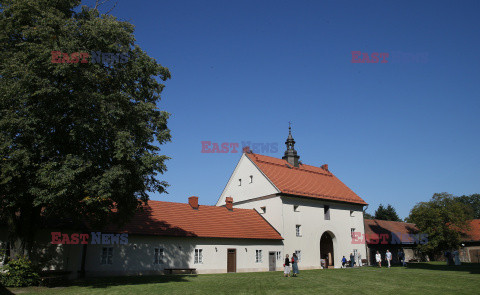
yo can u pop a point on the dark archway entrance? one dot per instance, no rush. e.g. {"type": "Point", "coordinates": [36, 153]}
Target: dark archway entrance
{"type": "Point", "coordinates": [326, 249]}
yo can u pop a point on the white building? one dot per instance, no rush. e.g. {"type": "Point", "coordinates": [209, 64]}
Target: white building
{"type": "Point", "coordinates": [311, 208]}
{"type": "Point", "coordinates": [270, 207]}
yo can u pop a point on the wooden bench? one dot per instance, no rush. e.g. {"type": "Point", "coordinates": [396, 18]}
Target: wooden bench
{"type": "Point", "coordinates": [170, 270]}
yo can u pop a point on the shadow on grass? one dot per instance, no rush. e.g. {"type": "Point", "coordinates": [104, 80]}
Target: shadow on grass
{"type": "Point", "coordinates": [4, 291]}
{"type": "Point", "coordinates": [105, 282]}
{"type": "Point", "coordinates": [473, 268]}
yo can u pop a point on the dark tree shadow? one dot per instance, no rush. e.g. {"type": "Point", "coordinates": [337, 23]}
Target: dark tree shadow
{"type": "Point", "coordinates": [473, 268]}
{"type": "Point", "coordinates": [4, 291]}
{"type": "Point", "coordinates": [105, 282]}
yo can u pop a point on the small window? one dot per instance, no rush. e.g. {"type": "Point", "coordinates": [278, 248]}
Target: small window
{"type": "Point", "coordinates": [107, 255]}
{"type": "Point", "coordinates": [240, 182]}
{"type": "Point", "coordinates": [352, 230]}
{"type": "Point", "coordinates": [295, 208]}
{"type": "Point", "coordinates": [351, 213]}
{"type": "Point", "coordinates": [198, 256]}
{"type": "Point", "coordinates": [299, 255]}
{"type": "Point", "coordinates": [326, 212]}
{"type": "Point", "coordinates": [279, 255]}
{"type": "Point", "coordinates": [263, 209]}
{"type": "Point", "coordinates": [159, 255]}
{"type": "Point", "coordinates": [258, 256]}
{"type": "Point", "coordinates": [298, 230]}
{"type": "Point", "coordinates": [251, 178]}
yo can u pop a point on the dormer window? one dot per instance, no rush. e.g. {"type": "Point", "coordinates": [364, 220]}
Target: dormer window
{"type": "Point", "coordinates": [251, 178]}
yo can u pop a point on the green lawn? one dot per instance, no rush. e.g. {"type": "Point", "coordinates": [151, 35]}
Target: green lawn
{"type": "Point", "coordinates": [420, 278]}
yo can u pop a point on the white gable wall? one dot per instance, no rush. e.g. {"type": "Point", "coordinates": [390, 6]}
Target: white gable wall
{"type": "Point", "coordinates": [259, 187]}
{"type": "Point", "coordinates": [310, 217]}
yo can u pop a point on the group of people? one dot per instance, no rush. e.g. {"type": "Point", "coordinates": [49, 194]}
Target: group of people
{"type": "Point", "coordinates": [388, 258]}
{"type": "Point", "coordinates": [294, 263]}
{"type": "Point", "coordinates": [353, 260]}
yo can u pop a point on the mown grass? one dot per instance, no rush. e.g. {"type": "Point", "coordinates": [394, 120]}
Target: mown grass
{"type": "Point", "coordinates": [419, 278]}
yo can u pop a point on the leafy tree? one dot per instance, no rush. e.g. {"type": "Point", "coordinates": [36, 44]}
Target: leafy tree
{"type": "Point", "coordinates": [19, 272]}
{"type": "Point", "coordinates": [78, 140]}
{"type": "Point", "coordinates": [388, 213]}
{"type": "Point", "coordinates": [473, 201]}
{"type": "Point", "coordinates": [441, 218]}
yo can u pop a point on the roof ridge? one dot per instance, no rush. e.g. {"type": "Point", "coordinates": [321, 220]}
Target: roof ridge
{"type": "Point", "coordinates": [330, 174]}
{"type": "Point", "coordinates": [391, 221]}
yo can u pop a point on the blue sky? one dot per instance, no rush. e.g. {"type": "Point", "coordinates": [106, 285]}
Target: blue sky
{"type": "Point", "coordinates": [393, 132]}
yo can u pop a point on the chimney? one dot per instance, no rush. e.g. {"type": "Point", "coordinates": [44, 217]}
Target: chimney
{"type": "Point", "coordinates": [325, 167]}
{"type": "Point", "coordinates": [229, 203]}
{"type": "Point", "coordinates": [193, 201]}
{"type": "Point", "coordinates": [246, 150]}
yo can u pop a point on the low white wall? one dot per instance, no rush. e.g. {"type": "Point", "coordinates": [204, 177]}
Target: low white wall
{"type": "Point", "coordinates": [137, 257]}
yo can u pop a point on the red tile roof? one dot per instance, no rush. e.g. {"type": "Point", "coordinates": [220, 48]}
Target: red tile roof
{"type": "Point", "coordinates": [378, 226]}
{"type": "Point", "coordinates": [306, 180]}
{"type": "Point", "coordinates": [179, 219]}
{"type": "Point", "coordinates": [375, 227]}
{"type": "Point", "coordinates": [473, 234]}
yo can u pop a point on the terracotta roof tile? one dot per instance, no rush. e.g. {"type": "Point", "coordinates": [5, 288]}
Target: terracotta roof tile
{"type": "Point", "coordinates": [179, 219]}
{"type": "Point", "coordinates": [306, 180]}
{"type": "Point", "coordinates": [375, 227]}
{"type": "Point", "coordinates": [378, 226]}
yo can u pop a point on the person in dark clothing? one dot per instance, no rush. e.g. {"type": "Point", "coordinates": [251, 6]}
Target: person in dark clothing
{"type": "Point", "coordinates": [344, 261]}
{"type": "Point", "coordinates": [286, 272]}
{"type": "Point", "coordinates": [295, 265]}
{"type": "Point", "coordinates": [352, 259]}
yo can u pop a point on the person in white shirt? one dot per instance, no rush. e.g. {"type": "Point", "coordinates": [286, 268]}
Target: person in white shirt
{"type": "Point", "coordinates": [388, 257]}
{"type": "Point", "coordinates": [378, 258]}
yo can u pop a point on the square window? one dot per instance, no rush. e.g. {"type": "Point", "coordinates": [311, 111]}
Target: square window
{"type": "Point", "coordinates": [298, 230]}
{"type": "Point", "coordinates": [258, 256]}
{"type": "Point", "coordinates": [198, 256]}
{"type": "Point", "coordinates": [158, 256]}
{"type": "Point", "coordinates": [351, 213]}
{"type": "Point", "coordinates": [352, 231]}
{"type": "Point", "coordinates": [279, 255]}
{"type": "Point", "coordinates": [107, 255]}
{"type": "Point", "coordinates": [326, 212]}
{"type": "Point", "coordinates": [295, 208]}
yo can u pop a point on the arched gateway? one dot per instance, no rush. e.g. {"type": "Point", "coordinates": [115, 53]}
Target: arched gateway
{"type": "Point", "coordinates": [326, 249]}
